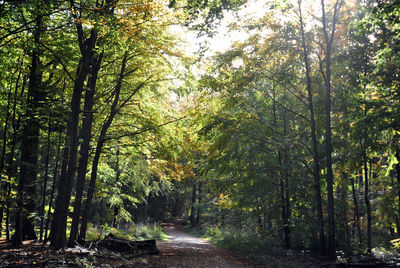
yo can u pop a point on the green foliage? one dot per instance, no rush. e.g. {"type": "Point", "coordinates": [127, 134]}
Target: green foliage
{"type": "Point", "coordinates": [395, 243]}
{"type": "Point", "coordinates": [203, 15]}
{"type": "Point", "coordinates": [134, 233]}
{"type": "Point", "coordinates": [250, 242]}
{"type": "Point", "coordinates": [141, 232]}
{"type": "Point", "coordinates": [242, 130]}
{"type": "Point", "coordinates": [258, 248]}
{"type": "Point", "coordinates": [93, 233]}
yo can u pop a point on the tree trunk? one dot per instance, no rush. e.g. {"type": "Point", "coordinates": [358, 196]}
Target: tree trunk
{"type": "Point", "coordinates": [41, 213]}
{"type": "Point", "coordinates": [193, 206]}
{"type": "Point", "coordinates": [286, 226]}
{"type": "Point", "coordinates": [117, 177]}
{"type": "Point", "coordinates": [58, 228]}
{"type": "Point", "coordinates": [4, 184]}
{"type": "Point", "coordinates": [24, 227]}
{"type": "Point", "coordinates": [53, 187]}
{"type": "Point", "coordinates": [199, 202]}
{"type": "Point", "coordinates": [343, 197]}
{"type": "Point", "coordinates": [8, 213]}
{"type": "Point", "coordinates": [283, 179]}
{"type": "Point", "coordinates": [329, 172]}
{"type": "Point", "coordinates": [91, 188]}
{"type": "Point", "coordinates": [328, 128]}
{"type": "Point", "coordinates": [367, 205]}
{"type": "Point", "coordinates": [102, 139]}
{"type": "Point", "coordinates": [10, 165]}
{"type": "Point", "coordinates": [316, 168]}
{"type": "Point", "coordinates": [85, 136]}
{"type": "Point", "coordinates": [356, 211]}
{"type": "Point", "coordinates": [396, 213]}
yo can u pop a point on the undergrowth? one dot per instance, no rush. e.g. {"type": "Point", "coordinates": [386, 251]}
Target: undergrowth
{"type": "Point", "coordinates": [135, 232]}
{"type": "Point", "coordinates": [256, 248]}
{"type": "Point", "coordinates": [259, 248]}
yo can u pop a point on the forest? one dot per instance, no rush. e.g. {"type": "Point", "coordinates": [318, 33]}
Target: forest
{"type": "Point", "coordinates": [116, 114]}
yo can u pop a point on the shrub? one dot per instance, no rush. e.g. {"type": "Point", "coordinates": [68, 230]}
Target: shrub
{"type": "Point", "coordinates": [257, 247]}
{"type": "Point", "coordinates": [141, 232]}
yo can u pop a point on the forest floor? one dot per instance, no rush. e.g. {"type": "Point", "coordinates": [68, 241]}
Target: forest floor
{"type": "Point", "coordinates": [182, 250]}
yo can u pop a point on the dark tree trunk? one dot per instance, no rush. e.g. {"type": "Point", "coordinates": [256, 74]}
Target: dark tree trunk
{"type": "Point", "coordinates": [8, 213]}
{"type": "Point", "coordinates": [44, 186]}
{"type": "Point", "coordinates": [367, 205]}
{"type": "Point", "coordinates": [58, 228]}
{"type": "Point", "coordinates": [1, 218]}
{"type": "Point", "coordinates": [10, 100]}
{"type": "Point", "coordinates": [316, 168]}
{"type": "Point", "coordinates": [286, 226]}
{"type": "Point", "coordinates": [53, 186]}
{"type": "Point", "coordinates": [329, 172]}
{"type": "Point", "coordinates": [24, 227]}
{"type": "Point", "coordinates": [193, 206]}
{"type": "Point", "coordinates": [328, 128]}
{"type": "Point", "coordinates": [91, 188]}
{"type": "Point", "coordinates": [146, 209]}
{"type": "Point", "coordinates": [10, 163]}
{"type": "Point", "coordinates": [356, 211]}
{"type": "Point", "coordinates": [283, 178]}
{"type": "Point", "coordinates": [117, 177]}
{"type": "Point", "coordinates": [199, 202]}
{"type": "Point", "coordinates": [343, 198]}
{"type": "Point", "coordinates": [102, 139]}
{"type": "Point", "coordinates": [3, 183]}
{"type": "Point", "coordinates": [85, 136]}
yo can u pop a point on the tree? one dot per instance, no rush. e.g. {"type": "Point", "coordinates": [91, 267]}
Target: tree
{"type": "Point", "coordinates": [86, 45]}
{"type": "Point", "coordinates": [85, 135]}
{"type": "Point", "coordinates": [24, 226]}
{"type": "Point", "coordinates": [329, 35]}
{"type": "Point", "coordinates": [316, 169]}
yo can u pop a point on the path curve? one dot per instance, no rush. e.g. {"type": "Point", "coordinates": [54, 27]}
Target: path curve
{"type": "Point", "coordinates": [183, 251]}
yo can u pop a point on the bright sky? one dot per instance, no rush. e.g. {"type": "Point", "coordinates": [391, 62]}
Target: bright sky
{"type": "Point", "coordinates": [225, 38]}
{"type": "Point", "coordinates": [254, 9]}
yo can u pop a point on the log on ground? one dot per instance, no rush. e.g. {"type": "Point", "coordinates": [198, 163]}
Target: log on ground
{"type": "Point", "coordinates": [125, 246]}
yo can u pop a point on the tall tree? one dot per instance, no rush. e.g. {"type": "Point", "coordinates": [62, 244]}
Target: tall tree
{"type": "Point", "coordinates": [114, 109]}
{"type": "Point", "coordinates": [328, 35]}
{"type": "Point", "coordinates": [85, 135]}
{"type": "Point", "coordinates": [24, 226]}
{"type": "Point", "coordinates": [316, 167]}
{"type": "Point", "coordinates": [87, 48]}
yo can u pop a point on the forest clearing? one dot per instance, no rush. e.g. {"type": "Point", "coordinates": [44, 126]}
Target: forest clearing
{"type": "Point", "coordinates": [269, 128]}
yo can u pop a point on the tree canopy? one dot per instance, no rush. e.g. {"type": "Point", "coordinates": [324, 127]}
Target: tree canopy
{"type": "Point", "coordinates": [292, 133]}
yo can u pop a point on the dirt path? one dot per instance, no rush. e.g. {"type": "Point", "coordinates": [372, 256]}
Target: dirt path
{"type": "Point", "coordinates": [183, 251]}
